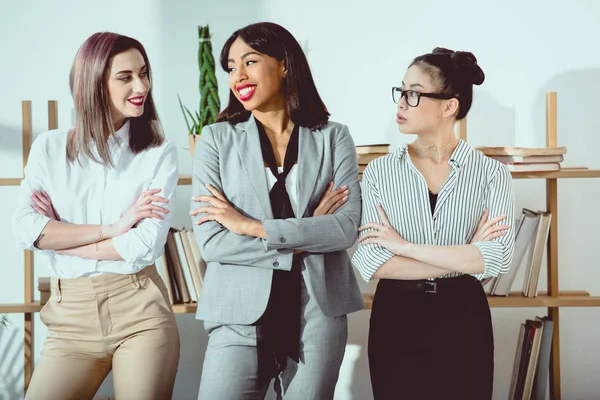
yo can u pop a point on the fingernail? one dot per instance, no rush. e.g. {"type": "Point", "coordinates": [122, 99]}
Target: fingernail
{"type": "Point", "coordinates": [345, 198]}
{"type": "Point", "coordinates": [345, 187]}
{"type": "Point", "coordinates": [346, 191]}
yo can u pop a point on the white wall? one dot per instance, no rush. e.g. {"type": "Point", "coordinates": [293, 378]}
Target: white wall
{"type": "Point", "coordinates": [357, 51]}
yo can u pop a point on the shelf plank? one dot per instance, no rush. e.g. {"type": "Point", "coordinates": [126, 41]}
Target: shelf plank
{"type": "Point", "coordinates": [10, 181]}
{"type": "Point", "coordinates": [515, 299]}
{"type": "Point", "coordinates": [185, 180]}
{"type": "Point", "coordinates": [22, 308]}
{"type": "Point", "coordinates": [563, 174]}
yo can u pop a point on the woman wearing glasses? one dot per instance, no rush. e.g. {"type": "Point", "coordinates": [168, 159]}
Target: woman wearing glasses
{"type": "Point", "coordinates": [426, 236]}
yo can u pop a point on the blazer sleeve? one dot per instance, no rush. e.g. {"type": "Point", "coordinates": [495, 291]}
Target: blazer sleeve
{"type": "Point", "coordinates": [498, 253]}
{"type": "Point", "coordinates": [325, 233]}
{"type": "Point", "coordinates": [216, 243]}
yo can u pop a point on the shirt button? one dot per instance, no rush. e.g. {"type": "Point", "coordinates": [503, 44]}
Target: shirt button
{"type": "Point", "coordinates": [282, 239]}
{"type": "Point", "coordinates": [276, 264]}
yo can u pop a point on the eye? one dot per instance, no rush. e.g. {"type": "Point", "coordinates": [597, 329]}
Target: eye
{"type": "Point", "coordinates": [250, 62]}
{"type": "Point", "coordinates": [230, 70]}
{"type": "Point", "coordinates": [125, 78]}
{"type": "Point", "coordinates": [412, 94]}
{"type": "Point", "coordinates": [144, 74]}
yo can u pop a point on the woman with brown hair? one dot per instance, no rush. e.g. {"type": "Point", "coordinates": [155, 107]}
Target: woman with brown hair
{"type": "Point", "coordinates": [90, 202]}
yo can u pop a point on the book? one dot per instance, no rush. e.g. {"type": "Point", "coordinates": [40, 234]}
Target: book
{"type": "Point", "coordinates": [529, 167]}
{"type": "Point", "coordinates": [529, 159]}
{"type": "Point", "coordinates": [373, 148]}
{"type": "Point", "coordinates": [364, 159]}
{"type": "Point", "coordinates": [521, 151]}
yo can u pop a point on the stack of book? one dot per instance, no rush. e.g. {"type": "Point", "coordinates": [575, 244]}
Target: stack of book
{"type": "Point", "coordinates": [532, 360]}
{"type": "Point", "coordinates": [369, 152]}
{"type": "Point", "coordinates": [181, 266]}
{"type": "Point", "coordinates": [532, 230]}
{"type": "Point", "coordinates": [523, 159]}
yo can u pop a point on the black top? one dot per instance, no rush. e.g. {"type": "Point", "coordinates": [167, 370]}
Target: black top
{"type": "Point", "coordinates": [278, 329]}
{"type": "Point", "coordinates": [432, 200]}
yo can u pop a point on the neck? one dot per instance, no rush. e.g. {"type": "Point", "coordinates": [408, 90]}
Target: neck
{"type": "Point", "coordinates": [275, 122]}
{"type": "Point", "coordinates": [438, 146]}
{"type": "Point", "coordinates": [117, 124]}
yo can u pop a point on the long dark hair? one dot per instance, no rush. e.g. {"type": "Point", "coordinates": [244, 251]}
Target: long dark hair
{"type": "Point", "coordinates": [93, 120]}
{"type": "Point", "coordinates": [302, 101]}
{"type": "Point", "coordinates": [455, 72]}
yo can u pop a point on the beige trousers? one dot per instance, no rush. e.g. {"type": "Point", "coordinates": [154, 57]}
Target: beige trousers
{"type": "Point", "coordinates": [112, 321]}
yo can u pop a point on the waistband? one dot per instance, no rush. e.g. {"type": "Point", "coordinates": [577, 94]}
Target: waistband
{"type": "Point", "coordinates": [427, 286]}
{"type": "Point", "coordinates": [97, 284]}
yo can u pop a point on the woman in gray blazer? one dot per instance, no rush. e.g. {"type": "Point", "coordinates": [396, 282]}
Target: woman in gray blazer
{"type": "Point", "coordinates": [272, 228]}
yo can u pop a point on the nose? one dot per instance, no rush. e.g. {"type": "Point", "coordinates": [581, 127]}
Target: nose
{"type": "Point", "coordinates": [141, 85]}
{"type": "Point", "coordinates": [239, 74]}
{"type": "Point", "coordinates": [402, 105]}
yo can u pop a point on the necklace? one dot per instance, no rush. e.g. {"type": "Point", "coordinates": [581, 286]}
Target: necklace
{"type": "Point", "coordinates": [434, 148]}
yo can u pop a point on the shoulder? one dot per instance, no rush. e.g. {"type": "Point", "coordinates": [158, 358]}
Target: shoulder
{"type": "Point", "coordinates": [219, 132]}
{"type": "Point", "coordinates": [492, 169]}
{"type": "Point", "coordinates": [333, 128]}
{"type": "Point", "coordinates": [52, 143]}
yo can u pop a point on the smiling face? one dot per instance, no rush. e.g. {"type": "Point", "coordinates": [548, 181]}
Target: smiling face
{"type": "Point", "coordinates": [128, 86]}
{"type": "Point", "coordinates": [430, 114]}
{"type": "Point", "coordinates": [255, 78]}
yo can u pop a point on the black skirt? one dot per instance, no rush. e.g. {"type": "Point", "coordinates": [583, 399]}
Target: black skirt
{"type": "Point", "coordinates": [431, 340]}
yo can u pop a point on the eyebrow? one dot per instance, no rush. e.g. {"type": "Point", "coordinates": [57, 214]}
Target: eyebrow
{"type": "Point", "coordinates": [246, 55]}
{"type": "Point", "coordinates": [414, 85]}
{"type": "Point", "coordinates": [129, 71]}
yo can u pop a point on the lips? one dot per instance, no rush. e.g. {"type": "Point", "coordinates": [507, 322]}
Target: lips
{"type": "Point", "coordinates": [246, 91]}
{"type": "Point", "coordinates": [400, 119]}
{"type": "Point", "coordinates": [137, 101]}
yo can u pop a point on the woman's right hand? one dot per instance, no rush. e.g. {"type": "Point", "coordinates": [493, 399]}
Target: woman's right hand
{"type": "Point", "coordinates": [486, 231]}
{"type": "Point", "coordinates": [143, 208]}
{"type": "Point", "coordinates": [332, 200]}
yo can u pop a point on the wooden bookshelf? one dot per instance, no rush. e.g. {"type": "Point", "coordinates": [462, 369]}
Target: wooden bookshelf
{"type": "Point", "coordinates": [553, 299]}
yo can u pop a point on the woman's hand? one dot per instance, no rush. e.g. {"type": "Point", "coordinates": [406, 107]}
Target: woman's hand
{"type": "Point", "coordinates": [384, 235]}
{"type": "Point", "coordinates": [486, 231]}
{"type": "Point", "coordinates": [43, 205]}
{"type": "Point", "coordinates": [332, 200]}
{"type": "Point", "coordinates": [222, 212]}
{"type": "Point", "coordinates": [143, 208]}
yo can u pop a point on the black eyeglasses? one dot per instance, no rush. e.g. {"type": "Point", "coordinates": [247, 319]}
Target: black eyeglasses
{"type": "Point", "coordinates": [413, 97]}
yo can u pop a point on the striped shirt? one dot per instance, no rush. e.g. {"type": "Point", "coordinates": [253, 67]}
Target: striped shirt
{"type": "Point", "coordinates": [474, 184]}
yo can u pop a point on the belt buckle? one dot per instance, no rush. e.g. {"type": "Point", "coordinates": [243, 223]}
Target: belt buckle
{"type": "Point", "coordinates": [430, 287]}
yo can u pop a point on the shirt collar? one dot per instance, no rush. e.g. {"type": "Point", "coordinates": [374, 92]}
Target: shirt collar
{"type": "Point", "coordinates": [458, 157]}
{"type": "Point", "coordinates": [121, 136]}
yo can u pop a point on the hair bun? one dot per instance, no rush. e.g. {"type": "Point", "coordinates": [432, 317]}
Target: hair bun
{"type": "Point", "coordinates": [468, 67]}
{"type": "Point", "coordinates": [466, 63]}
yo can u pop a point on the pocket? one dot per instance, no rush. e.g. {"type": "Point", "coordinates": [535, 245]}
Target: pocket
{"type": "Point", "coordinates": [156, 282]}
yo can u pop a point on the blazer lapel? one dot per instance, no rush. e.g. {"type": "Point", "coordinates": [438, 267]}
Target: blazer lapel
{"type": "Point", "coordinates": [310, 158]}
{"type": "Point", "coordinates": [248, 147]}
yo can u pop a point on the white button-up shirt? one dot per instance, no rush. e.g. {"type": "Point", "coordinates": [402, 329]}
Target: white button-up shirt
{"type": "Point", "coordinates": [86, 192]}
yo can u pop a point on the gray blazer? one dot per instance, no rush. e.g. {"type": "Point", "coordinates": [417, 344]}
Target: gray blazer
{"type": "Point", "coordinates": [237, 282]}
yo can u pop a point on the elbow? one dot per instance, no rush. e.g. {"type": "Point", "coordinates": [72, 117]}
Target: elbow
{"type": "Point", "coordinates": [349, 233]}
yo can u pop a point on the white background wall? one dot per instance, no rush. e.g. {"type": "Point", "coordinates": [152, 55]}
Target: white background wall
{"type": "Point", "coordinates": [357, 51]}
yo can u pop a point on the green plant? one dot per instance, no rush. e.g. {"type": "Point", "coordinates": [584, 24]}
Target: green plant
{"type": "Point", "coordinates": [209, 95]}
{"type": "Point", "coordinates": [4, 321]}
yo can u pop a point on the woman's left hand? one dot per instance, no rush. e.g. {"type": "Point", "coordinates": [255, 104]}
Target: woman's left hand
{"type": "Point", "coordinates": [43, 205]}
{"type": "Point", "coordinates": [220, 211]}
{"type": "Point", "coordinates": [384, 235]}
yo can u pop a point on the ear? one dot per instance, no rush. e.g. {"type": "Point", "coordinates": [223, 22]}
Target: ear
{"type": "Point", "coordinates": [451, 107]}
{"type": "Point", "coordinates": [282, 68]}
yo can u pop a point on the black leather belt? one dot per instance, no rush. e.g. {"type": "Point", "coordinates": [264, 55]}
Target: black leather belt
{"type": "Point", "coordinates": [426, 285]}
